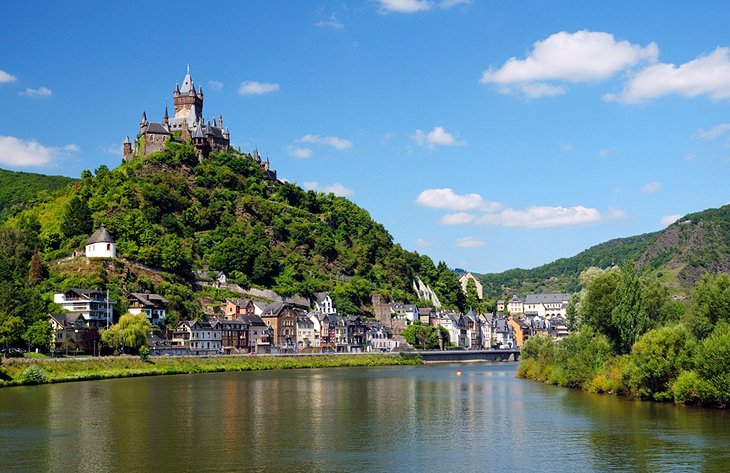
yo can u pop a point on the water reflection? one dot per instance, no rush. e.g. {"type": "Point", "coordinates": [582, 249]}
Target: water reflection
{"type": "Point", "coordinates": [421, 418]}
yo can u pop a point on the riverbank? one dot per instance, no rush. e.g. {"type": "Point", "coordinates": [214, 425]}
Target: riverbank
{"type": "Point", "coordinates": [24, 371]}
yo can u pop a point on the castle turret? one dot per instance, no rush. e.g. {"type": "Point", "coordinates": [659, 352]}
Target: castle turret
{"type": "Point", "coordinates": [166, 118]}
{"type": "Point", "coordinates": [127, 153]}
{"type": "Point", "coordinates": [188, 103]}
{"type": "Point", "coordinates": [143, 123]}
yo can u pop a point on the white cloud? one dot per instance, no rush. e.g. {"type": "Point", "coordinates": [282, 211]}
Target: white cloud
{"type": "Point", "coordinates": [340, 144]}
{"type": "Point", "coordinates": [423, 243]}
{"type": "Point", "coordinates": [404, 6]}
{"type": "Point", "coordinates": [39, 92]}
{"type": "Point", "coordinates": [567, 57]}
{"type": "Point", "coordinates": [5, 77]}
{"type": "Point", "coordinates": [459, 218]}
{"type": "Point", "coordinates": [299, 152]}
{"type": "Point", "coordinates": [615, 214]}
{"type": "Point", "coordinates": [707, 75]}
{"type": "Point", "coordinates": [669, 219]}
{"type": "Point", "coordinates": [543, 217]}
{"type": "Point", "coordinates": [605, 152]}
{"type": "Point", "coordinates": [436, 137]}
{"type": "Point", "coordinates": [24, 153]}
{"type": "Point", "coordinates": [215, 84]}
{"type": "Point", "coordinates": [469, 242]}
{"type": "Point", "coordinates": [446, 4]}
{"type": "Point", "coordinates": [714, 132]}
{"type": "Point", "coordinates": [257, 88]}
{"type": "Point", "coordinates": [331, 22]}
{"type": "Point", "coordinates": [651, 188]}
{"type": "Point", "coordinates": [336, 188]}
{"type": "Point", "coordinates": [446, 198]}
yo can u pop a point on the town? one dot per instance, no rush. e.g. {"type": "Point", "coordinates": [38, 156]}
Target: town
{"type": "Point", "coordinates": [247, 326]}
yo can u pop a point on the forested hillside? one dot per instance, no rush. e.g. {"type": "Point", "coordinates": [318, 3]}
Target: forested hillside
{"type": "Point", "coordinates": [679, 256]}
{"type": "Point", "coordinates": [20, 189]}
{"type": "Point", "coordinates": [174, 217]}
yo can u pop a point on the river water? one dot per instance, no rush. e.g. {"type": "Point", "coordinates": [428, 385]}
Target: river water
{"type": "Point", "coordinates": [383, 419]}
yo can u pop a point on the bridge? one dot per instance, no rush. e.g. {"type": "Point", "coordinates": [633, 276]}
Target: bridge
{"type": "Point", "coordinates": [455, 356]}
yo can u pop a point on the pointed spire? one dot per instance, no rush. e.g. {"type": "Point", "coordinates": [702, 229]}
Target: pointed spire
{"type": "Point", "coordinates": [144, 117]}
{"type": "Point", "coordinates": [166, 114]}
{"type": "Point", "coordinates": [126, 140]}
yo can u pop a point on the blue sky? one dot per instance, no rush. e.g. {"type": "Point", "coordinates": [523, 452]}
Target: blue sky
{"type": "Point", "coordinates": [490, 135]}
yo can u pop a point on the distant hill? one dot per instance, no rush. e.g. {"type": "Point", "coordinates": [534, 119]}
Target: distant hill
{"type": "Point", "coordinates": [21, 189]}
{"type": "Point", "coordinates": [678, 255]}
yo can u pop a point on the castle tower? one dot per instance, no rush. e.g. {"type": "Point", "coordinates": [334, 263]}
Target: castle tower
{"type": "Point", "coordinates": [127, 153]}
{"type": "Point", "coordinates": [188, 102]}
{"type": "Point", "coordinates": [101, 244]}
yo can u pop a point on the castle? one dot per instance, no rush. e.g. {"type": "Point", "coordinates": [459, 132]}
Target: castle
{"type": "Point", "coordinates": [186, 126]}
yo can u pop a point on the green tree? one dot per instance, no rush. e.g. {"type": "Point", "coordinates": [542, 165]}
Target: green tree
{"type": "Point", "coordinates": [36, 271]}
{"type": "Point", "coordinates": [657, 359]}
{"type": "Point", "coordinates": [597, 305]}
{"type": "Point", "coordinates": [710, 304]}
{"type": "Point", "coordinates": [425, 337]}
{"type": "Point", "coordinates": [39, 334]}
{"type": "Point", "coordinates": [472, 298]}
{"type": "Point", "coordinates": [130, 333]}
{"type": "Point", "coordinates": [77, 218]}
{"type": "Point", "coordinates": [11, 330]}
{"type": "Point", "coordinates": [631, 316]}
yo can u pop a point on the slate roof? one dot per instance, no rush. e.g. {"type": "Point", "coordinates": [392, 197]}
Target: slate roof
{"type": "Point", "coordinates": [150, 300]}
{"type": "Point", "coordinates": [101, 235]}
{"type": "Point", "coordinates": [157, 129]}
{"type": "Point", "coordinates": [547, 298]}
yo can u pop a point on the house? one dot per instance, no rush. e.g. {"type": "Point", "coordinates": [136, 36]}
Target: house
{"type": "Point", "coordinates": [464, 281]}
{"type": "Point", "coordinates": [234, 335]}
{"type": "Point", "coordinates": [500, 305]}
{"type": "Point", "coordinates": [282, 318]}
{"type": "Point", "coordinates": [259, 334]}
{"type": "Point", "coordinates": [323, 303]}
{"type": "Point", "coordinates": [426, 314]}
{"type": "Point", "coordinates": [379, 339]}
{"type": "Point", "coordinates": [258, 307]}
{"type": "Point", "coordinates": [101, 244]}
{"type": "Point", "coordinates": [356, 334]}
{"type": "Point", "coordinates": [154, 306]}
{"type": "Point", "coordinates": [502, 333]}
{"type": "Point", "coordinates": [68, 332]}
{"type": "Point", "coordinates": [327, 331]}
{"type": "Point", "coordinates": [163, 347]}
{"type": "Point", "coordinates": [406, 312]}
{"type": "Point", "coordinates": [455, 325]}
{"type": "Point", "coordinates": [547, 305]}
{"type": "Point", "coordinates": [305, 332]}
{"type": "Point", "coordinates": [220, 279]}
{"type": "Point", "coordinates": [474, 336]}
{"type": "Point", "coordinates": [92, 305]}
{"type": "Point", "coordinates": [341, 339]}
{"type": "Point", "coordinates": [199, 337]}
{"type": "Point", "coordinates": [515, 305]}
{"type": "Point", "coordinates": [520, 331]}
{"type": "Point", "coordinates": [236, 307]}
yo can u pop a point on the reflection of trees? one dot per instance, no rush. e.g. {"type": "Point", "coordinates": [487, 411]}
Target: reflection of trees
{"type": "Point", "coordinates": [627, 435]}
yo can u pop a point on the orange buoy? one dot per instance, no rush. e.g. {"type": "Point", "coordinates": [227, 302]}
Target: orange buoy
{"type": "Point", "coordinates": [458, 372]}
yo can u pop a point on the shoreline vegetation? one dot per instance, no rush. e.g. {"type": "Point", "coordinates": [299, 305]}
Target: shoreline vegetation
{"type": "Point", "coordinates": [29, 371]}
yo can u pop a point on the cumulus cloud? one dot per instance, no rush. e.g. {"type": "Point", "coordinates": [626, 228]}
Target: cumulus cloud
{"type": "Point", "coordinates": [436, 137]}
{"type": "Point", "coordinates": [404, 6]}
{"type": "Point", "coordinates": [669, 219]}
{"type": "Point", "coordinates": [215, 85]}
{"type": "Point", "coordinates": [339, 144]}
{"type": "Point", "coordinates": [6, 77]}
{"type": "Point", "coordinates": [543, 217]}
{"type": "Point", "coordinates": [707, 75]}
{"type": "Point", "coordinates": [27, 153]}
{"type": "Point", "coordinates": [469, 242]}
{"type": "Point", "coordinates": [299, 152]}
{"type": "Point", "coordinates": [459, 218]}
{"type": "Point", "coordinates": [567, 57]}
{"type": "Point", "coordinates": [651, 188]}
{"type": "Point", "coordinates": [446, 198]}
{"type": "Point", "coordinates": [331, 22]}
{"type": "Point", "coordinates": [257, 88]}
{"type": "Point", "coordinates": [336, 188]}
{"type": "Point", "coordinates": [39, 92]}
{"type": "Point", "coordinates": [714, 132]}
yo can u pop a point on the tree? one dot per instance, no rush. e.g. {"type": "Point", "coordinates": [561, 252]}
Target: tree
{"type": "Point", "coordinates": [11, 328]}
{"type": "Point", "coordinates": [599, 301]}
{"type": "Point", "coordinates": [472, 298]}
{"type": "Point", "coordinates": [425, 337]}
{"type": "Point", "coordinates": [77, 218]}
{"type": "Point", "coordinates": [710, 304]}
{"type": "Point", "coordinates": [131, 333]}
{"type": "Point", "coordinates": [39, 334]}
{"type": "Point", "coordinates": [630, 317]}
{"type": "Point", "coordinates": [36, 272]}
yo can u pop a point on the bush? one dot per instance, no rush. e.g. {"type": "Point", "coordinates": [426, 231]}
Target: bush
{"type": "Point", "coordinates": [144, 353]}
{"type": "Point", "coordinates": [33, 375]}
{"type": "Point", "coordinates": [690, 388]}
{"type": "Point", "coordinates": [657, 359]}
{"type": "Point", "coordinates": [580, 357]}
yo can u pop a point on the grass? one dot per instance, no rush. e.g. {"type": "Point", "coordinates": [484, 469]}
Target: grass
{"type": "Point", "coordinates": [58, 370]}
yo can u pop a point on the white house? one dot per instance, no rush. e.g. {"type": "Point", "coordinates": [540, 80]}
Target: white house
{"type": "Point", "coordinates": [323, 303]}
{"type": "Point", "coordinates": [92, 305]}
{"type": "Point", "coordinates": [547, 305]}
{"type": "Point", "coordinates": [154, 306]}
{"type": "Point", "coordinates": [515, 305]}
{"type": "Point", "coordinates": [380, 340]}
{"type": "Point", "coordinates": [101, 244]}
{"type": "Point", "coordinates": [199, 337]}
{"type": "Point", "coordinates": [464, 281]}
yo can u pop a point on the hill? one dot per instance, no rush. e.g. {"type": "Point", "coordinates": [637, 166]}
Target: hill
{"type": "Point", "coordinates": [20, 189]}
{"type": "Point", "coordinates": [678, 255]}
{"type": "Point", "coordinates": [174, 217]}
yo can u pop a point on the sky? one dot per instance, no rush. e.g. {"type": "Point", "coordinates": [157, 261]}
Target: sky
{"type": "Point", "coordinates": [486, 134]}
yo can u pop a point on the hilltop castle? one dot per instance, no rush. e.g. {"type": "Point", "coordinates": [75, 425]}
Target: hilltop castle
{"type": "Point", "coordinates": [186, 126]}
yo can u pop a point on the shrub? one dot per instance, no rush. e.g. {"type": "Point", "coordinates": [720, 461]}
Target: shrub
{"type": "Point", "coordinates": [657, 359]}
{"type": "Point", "coordinates": [580, 357]}
{"type": "Point", "coordinates": [144, 352]}
{"type": "Point", "coordinates": [33, 375]}
{"type": "Point", "coordinates": [690, 388]}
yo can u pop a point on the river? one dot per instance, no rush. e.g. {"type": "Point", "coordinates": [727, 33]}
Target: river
{"type": "Point", "coordinates": [382, 419]}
